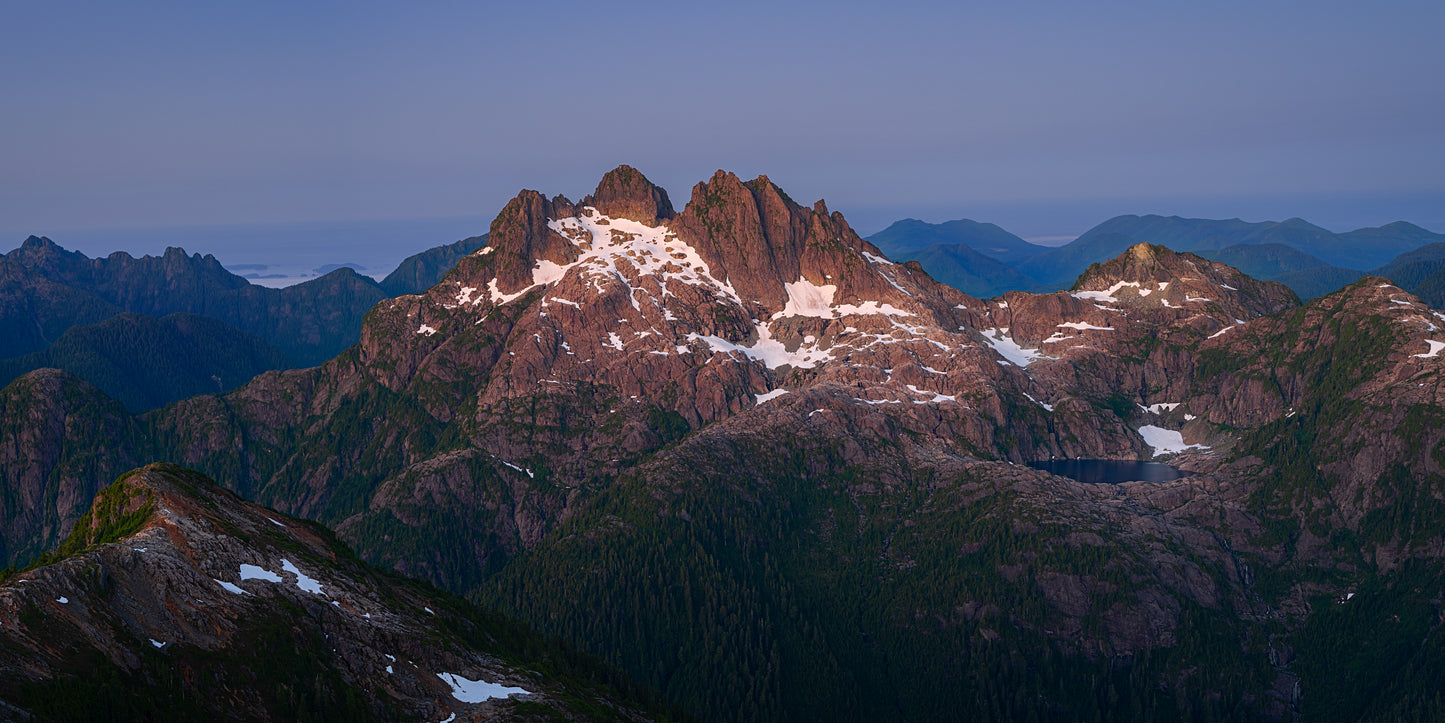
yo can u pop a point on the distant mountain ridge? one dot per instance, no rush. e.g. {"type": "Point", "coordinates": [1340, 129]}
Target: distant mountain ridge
{"type": "Point", "coordinates": [310, 322]}
{"type": "Point", "coordinates": [1332, 259]}
{"type": "Point", "coordinates": [1365, 248]}
{"type": "Point", "coordinates": [153, 330]}
{"type": "Point", "coordinates": [911, 235]}
{"type": "Point", "coordinates": [421, 271]}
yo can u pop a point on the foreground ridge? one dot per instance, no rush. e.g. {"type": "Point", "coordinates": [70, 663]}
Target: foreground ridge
{"type": "Point", "coordinates": [174, 599]}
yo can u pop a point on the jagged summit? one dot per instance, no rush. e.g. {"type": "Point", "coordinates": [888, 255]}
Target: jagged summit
{"type": "Point", "coordinates": [625, 193]}
{"type": "Point", "coordinates": [742, 271]}
{"type": "Point", "coordinates": [751, 236]}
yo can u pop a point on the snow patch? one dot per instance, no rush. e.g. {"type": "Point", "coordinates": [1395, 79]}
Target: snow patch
{"type": "Point", "coordinates": [157, 643]}
{"type": "Point", "coordinates": [871, 308]}
{"type": "Point", "coordinates": [467, 690]}
{"type": "Point", "coordinates": [278, 524]}
{"type": "Point", "coordinates": [309, 584]}
{"type": "Point", "coordinates": [1108, 295]}
{"type": "Point", "coordinates": [877, 259]}
{"type": "Point", "coordinates": [1047, 407]}
{"type": "Point", "coordinates": [231, 588]}
{"type": "Point", "coordinates": [1435, 347]}
{"type": "Point", "coordinates": [500, 298]}
{"type": "Point", "coordinates": [614, 249]}
{"type": "Point", "coordinates": [426, 330]}
{"type": "Point", "coordinates": [547, 272]}
{"type": "Point", "coordinates": [937, 396]}
{"type": "Point", "coordinates": [527, 472]}
{"type": "Point", "coordinates": [1220, 332]}
{"type": "Point", "coordinates": [62, 600]}
{"type": "Point", "coordinates": [770, 395]}
{"type": "Point", "coordinates": [1010, 349]}
{"type": "Point", "coordinates": [1084, 325]}
{"type": "Point", "coordinates": [1227, 286]}
{"type": "Point", "coordinates": [768, 350]}
{"type": "Point", "coordinates": [614, 341]}
{"type": "Point", "coordinates": [808, 299]}
{"type": "Point", "coordinates": [252, 572]}
{"type": "Point", "coordinates": [1161, 408]}
{"type": "Point", "coordinates": [1165, 441]}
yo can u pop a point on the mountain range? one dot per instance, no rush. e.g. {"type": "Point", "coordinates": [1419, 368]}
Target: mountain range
{"type": "Point", "coordinates": [737, 452]}
{"type": "Point", "coordinates": [1310, 260]}
{"type": "Point", "coordinates": [129, 325]}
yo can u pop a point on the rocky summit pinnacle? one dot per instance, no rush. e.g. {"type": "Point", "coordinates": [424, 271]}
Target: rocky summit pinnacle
{"type": "Point", "coordinates": [625, 193]}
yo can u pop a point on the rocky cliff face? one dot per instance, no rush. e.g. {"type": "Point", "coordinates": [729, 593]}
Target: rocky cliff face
{"type": "Point", "coordinates": [174, 595]}
{"type": "Point", "coordinates": [60, 441]}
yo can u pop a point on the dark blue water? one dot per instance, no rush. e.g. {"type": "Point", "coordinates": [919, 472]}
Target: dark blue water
{"type": "Point", "coordinates": [1109, 471]}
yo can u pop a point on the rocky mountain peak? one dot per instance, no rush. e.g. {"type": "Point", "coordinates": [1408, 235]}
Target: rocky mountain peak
{"type": "Point", "coordinates": [719, 304]}
{"type": "Point", "coordinates": [33, 242]}
{"type": "Point", "coordinates": [1149, 276]}
{"type": "Point", "coordinates": [762, 240]}
{"type": "Point", "coordinates": [748, 241]}
{"type": "Point", "coordinates": [625, 193]}
{"type": "Point", "coordinates": [42, 253]}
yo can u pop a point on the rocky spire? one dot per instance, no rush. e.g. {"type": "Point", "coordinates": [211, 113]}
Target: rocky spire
{"type": "Point", "coordinates": [625, 193]}
{"type": "Point", "coordinates": [756, 236]}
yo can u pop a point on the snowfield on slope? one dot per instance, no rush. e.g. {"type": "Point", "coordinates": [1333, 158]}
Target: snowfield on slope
{"type": "Point", "coordinates": [1165, 441]}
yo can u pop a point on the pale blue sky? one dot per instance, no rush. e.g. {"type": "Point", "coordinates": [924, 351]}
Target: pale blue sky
{"type": "Point", "coordinates": [1043, 117]}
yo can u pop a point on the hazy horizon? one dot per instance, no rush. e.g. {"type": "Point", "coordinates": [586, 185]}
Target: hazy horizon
{"type": "Point", "coordinates": [384, 242]}
{"type": "Point", "coordinates": [297, 251]}
{"type": "Point", "coordinates": [1042, 117]}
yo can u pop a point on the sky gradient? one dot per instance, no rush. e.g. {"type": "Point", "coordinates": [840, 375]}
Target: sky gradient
{"type": "Point", "coordinates": [1045, 118]}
